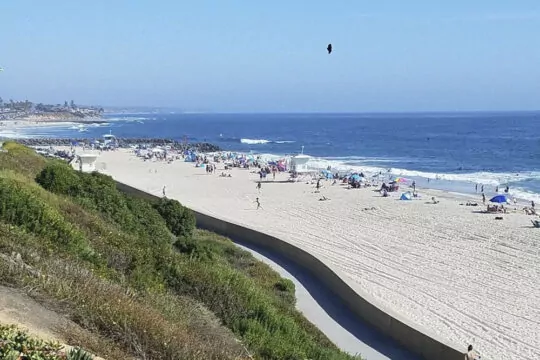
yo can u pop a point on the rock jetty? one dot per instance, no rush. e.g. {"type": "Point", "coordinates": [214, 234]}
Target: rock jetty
{"type": "Point", "coordinates": [124, 143]}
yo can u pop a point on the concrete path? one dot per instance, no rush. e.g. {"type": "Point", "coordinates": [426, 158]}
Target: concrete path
{"type": "Point", "coordinates": [330, 315]}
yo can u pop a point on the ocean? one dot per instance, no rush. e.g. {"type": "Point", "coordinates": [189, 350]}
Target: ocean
{"type": "Point", "coordinates": [454, 151]}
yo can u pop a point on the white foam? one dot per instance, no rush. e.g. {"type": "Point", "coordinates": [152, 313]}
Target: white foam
{"type": "Point", "coordinates": [99, 124]}
{"type": "Point", "coordinates": [483, 177]}
{"type": "Point", "coordinates": [254, 141]}
{"type": "Point", "coordinates": [523, 194]}
{"type": "Point", "coordinates": [127, 118]}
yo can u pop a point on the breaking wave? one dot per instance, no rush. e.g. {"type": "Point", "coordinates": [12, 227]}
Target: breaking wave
{"type": "Point", "coordinates": [264, 141]}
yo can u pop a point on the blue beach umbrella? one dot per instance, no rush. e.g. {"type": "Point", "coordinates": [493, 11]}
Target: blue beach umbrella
{"type": "Point", "coordinates": [499, 199]}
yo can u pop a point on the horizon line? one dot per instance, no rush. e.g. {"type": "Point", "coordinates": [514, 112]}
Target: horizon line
{"type": "Point", "coordinates": [195, 112]}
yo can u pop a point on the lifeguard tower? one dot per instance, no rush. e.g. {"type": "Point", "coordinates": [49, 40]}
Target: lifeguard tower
{"type": "Point", "coordinates": [85, 162]}
{"type": "Point", "coordinates": [299, 167]}
{"type": "Point", "coordinates": [109, 140]}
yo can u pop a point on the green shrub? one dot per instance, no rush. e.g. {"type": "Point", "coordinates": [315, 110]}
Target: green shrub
{"type": "Point", "coordinates": [59, 178]}
{"type": "Point", "coordinates": [179, 219]}
{"type": "Point", "coordinates": [21, 159]}
{"type": "Point", "coordinates": [22, 205]}
{"type": "Point", "coordinates": [98, 192]}
{"type": "Point", "coordinates": [284, 285]}
{"type": "Point", "coordinates": [78, 354]}
{"type": "Point", "coordinates": [251, 313]}
{"type": "Point", "coordinates": [16, 342]}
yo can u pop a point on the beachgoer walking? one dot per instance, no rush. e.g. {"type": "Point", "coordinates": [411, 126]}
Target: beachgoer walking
{"type": "Point", "coordinates": [259, 185]}
{"type": "Point", "coordinates": [471, 354]}
{"type": "Point", "coordinates": [164, 188]}
{"type": "Point", "coordinates": [507, 189]}
{"type": "Point", "coordinates": [497, 189]}
{"type": "Point", "coordinates": [532, 204]}
{"type": "Point", "coordinates": [476, 188]}
{"type": "Point", "coordinates": [484, 198]}
{"type": "Point", "coordinates": [258, 203]}
{"type": "Point", "coordinates": [414, 185]}
{"type": "Point", "coordinates": [482, 189]}
{"type": "Point", "coordinates": [318, 186]}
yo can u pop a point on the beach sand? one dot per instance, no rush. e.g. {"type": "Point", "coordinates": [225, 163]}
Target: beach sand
{"type": "Point", "coordinates": [452, 271]}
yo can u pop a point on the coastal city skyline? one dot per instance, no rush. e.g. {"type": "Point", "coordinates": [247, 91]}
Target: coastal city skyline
{"type": "Point", "coordinates": [387, 57]}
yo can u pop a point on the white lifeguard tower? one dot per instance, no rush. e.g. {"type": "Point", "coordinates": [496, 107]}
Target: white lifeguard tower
{"type": "Point", "coordinates": [299, 167]}
{"type": "Point", "coordinates": [109, 139]}
{"type": "Point", "coordinates": [85, 162]}
{"type": "Point", "coordinates": [299, 164]}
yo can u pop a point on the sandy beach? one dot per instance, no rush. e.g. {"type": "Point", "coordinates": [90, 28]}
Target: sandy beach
{"type": "Point", "coordinates": [447, 268]}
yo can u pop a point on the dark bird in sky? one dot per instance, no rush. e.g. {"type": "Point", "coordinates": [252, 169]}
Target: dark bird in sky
{"type": "Point", "coordinates": [329, 48]}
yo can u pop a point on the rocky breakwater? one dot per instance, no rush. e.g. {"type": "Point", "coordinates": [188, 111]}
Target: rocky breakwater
{"type": "Point", "coordinates": [124, 143]}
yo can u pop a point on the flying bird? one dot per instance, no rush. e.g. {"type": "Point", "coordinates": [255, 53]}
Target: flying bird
{"type": "Point", "coordinates": [329, 48]}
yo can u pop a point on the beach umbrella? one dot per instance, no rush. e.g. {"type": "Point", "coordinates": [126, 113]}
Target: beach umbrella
{"type": "Point", "coordinates": [400, 180]}
{"type": "Point", "coordinates": [499, 199]}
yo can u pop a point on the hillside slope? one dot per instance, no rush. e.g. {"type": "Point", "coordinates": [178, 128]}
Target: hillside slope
{"type": "Point", "coordinates": [138, 276]}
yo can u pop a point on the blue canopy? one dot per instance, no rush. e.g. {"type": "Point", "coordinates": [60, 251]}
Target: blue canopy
{"type": "Point", "coordinates": [327, 174]}
{"type": "Point", "coordinates": [500, 199]}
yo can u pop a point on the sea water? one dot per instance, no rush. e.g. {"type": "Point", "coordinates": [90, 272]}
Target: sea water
{"type": "Point", "coordinates": [453, 151]}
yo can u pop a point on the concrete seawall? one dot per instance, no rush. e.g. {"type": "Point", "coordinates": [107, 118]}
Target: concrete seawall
{"type": "Point", "coordinates": [359, 304]}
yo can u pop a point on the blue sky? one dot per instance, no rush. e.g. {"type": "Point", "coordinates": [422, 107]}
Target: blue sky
{"type": "Point", "coordinates": [270, 56]}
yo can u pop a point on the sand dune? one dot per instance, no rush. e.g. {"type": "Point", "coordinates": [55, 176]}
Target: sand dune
{"type": "Point", "coordinates": [451, 271]}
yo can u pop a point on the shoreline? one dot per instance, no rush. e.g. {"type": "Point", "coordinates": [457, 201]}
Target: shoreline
{"type": "Point", "coordinates": [408, 256]}
{"type": "Point", "coordinates": [445, 179]}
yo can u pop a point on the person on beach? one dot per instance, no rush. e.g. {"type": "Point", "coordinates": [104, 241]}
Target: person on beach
{"type": "Point", "coordinates": [258, 203]}
{"type": "Point", "coordinates": [532, 204]}
{"type": "Point", "coordinates": [414, 185]}
{"type": "Point", "coordinates": [484, 198]}
{"type": "Point", "coordinates": [259, 186]}
{"type": "Point", "coordinates": [471, 354]}
{"type": "Point", "coordinates": [507, 189]}
{"type": "Point", "coordinates": [476, 188]}
{"type": "Point", "coordinates": [318, 186]}
{"type": "Point", "coordinates": [496, 189]}
{"type": "Point", "coordinates": [164, 188]}
{"type": "Point", "coordinates": [482, 189]}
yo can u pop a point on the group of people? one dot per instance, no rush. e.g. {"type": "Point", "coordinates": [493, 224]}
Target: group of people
{"type": "Point", "coordinates": [506, 189]}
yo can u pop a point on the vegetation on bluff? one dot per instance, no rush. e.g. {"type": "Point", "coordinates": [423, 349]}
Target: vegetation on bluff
{"type": "Point", "coordinates": [138, 274]}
